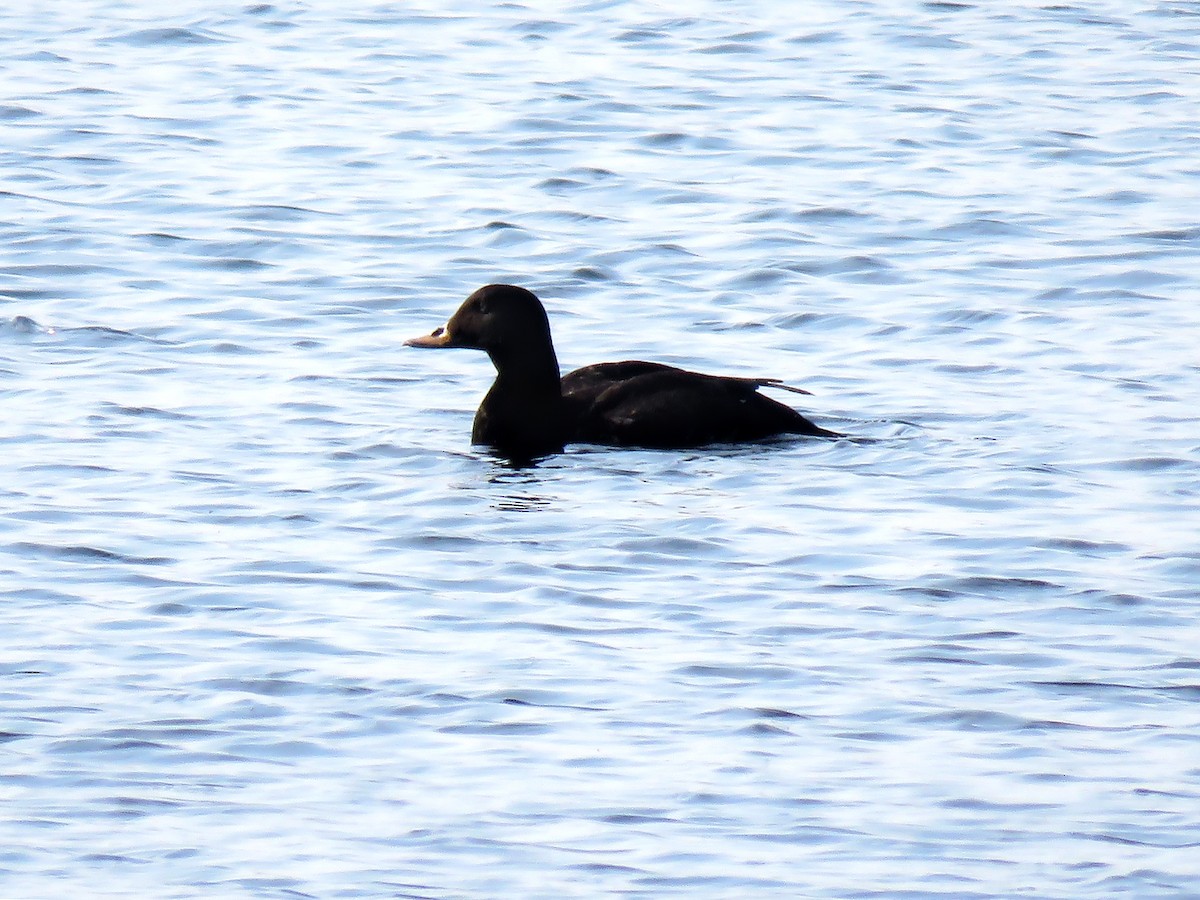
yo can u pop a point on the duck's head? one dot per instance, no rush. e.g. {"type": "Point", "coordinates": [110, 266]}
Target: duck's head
{"type": "Point", "coordinates": [501, 319]}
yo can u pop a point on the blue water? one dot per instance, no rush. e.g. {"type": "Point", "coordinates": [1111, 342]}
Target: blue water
{"type": "Point", "coordinates": [272, 628]}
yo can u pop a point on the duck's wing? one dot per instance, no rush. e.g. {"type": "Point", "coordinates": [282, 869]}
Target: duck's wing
{"type": "Point", "coordinates": [645, 404]}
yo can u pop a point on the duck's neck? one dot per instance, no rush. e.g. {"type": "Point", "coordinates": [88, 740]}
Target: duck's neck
{"type": "Point", "coordinates": [522, 415]}
{"type": "Point", "coordinates": [534, 373]}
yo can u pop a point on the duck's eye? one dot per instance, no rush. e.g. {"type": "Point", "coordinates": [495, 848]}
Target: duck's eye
{"type": "Point", "coordinates": [483, 307]}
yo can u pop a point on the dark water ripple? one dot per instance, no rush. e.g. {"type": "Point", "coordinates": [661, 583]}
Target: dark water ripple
{"type": "Point", "coordinates": [272, 628]}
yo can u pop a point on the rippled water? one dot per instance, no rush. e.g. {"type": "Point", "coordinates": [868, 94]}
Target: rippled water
{"type": "Point", "coordinates": [273, 629]}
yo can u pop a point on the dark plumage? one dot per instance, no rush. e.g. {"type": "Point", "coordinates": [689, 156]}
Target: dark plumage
{"type": "Point", "coordinates": [531, 412]}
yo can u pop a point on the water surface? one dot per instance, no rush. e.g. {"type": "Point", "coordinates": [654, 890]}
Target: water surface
{"type": "Point", "coordinates": [274, 629]}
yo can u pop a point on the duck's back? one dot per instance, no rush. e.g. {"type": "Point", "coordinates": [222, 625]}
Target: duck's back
{"type": "Point", "coordinates": [643, 404]}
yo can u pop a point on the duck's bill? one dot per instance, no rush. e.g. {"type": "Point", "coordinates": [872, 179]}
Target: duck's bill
{"type": "Point", "coordinates": [439, 338]}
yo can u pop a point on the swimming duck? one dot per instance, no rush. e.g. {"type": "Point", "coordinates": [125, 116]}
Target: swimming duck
{"type": "Point", "coordinates": [531, 412]}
